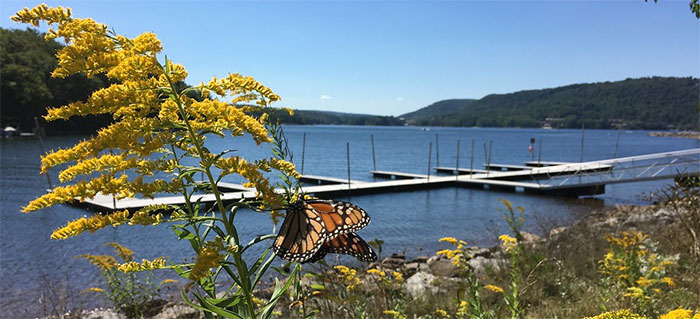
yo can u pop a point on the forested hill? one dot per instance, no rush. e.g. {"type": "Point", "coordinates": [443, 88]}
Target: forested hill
{"type": "Point", "coordinates": [644, 103]}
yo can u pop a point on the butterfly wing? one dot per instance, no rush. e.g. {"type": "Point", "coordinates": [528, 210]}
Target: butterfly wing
{"type": "Point", "coordinates": [348, 244]}
{"type": "Point", "coordinates": [339, 217]}
{"type": "Point", "coordinates": [301, 235]}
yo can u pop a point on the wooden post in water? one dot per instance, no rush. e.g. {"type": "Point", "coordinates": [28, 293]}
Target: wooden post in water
{"type": "Point", "coordinates": [489, 162]}
{"type": "Point", "coordinates": [303, 152]}
{"type": "Point", "coordinates": [430, 154]}
{"type": "Point", "coordinates": [619, 131]}
{"type": "Point", "coordinates": [38, 132]}
{"type": "Point", "coordinates": [437, 151]}
{"type": "Point", "coordinates": [486, 154]}
{"type": "Point", "coordinates": [583, 131]}
{"type": "Point", "coordinates": [347, 147]}
{"type": "Point", "coordinates": [374, 161]}
{"type": "Point", "coordinates": [539, 154]}
{"type": "Point", "coordinates": [471, 163]}
{"type": "Point", "coordinates": [457, 165]}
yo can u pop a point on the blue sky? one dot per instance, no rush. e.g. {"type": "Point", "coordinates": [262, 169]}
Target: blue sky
{"type": "Point", "coordinates": [393, 57]}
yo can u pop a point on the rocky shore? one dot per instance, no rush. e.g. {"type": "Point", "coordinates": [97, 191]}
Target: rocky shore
{"type": "Point", "coordinates": [430, 274]}
{"type": "Point", "coordinates": [683, 134]}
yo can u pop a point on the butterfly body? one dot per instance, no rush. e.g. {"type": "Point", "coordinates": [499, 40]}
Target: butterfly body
{"type": "Point", "coordinates": [315, 226]}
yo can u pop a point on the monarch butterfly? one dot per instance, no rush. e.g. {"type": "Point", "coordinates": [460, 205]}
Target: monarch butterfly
{"type": "Point", "coordinates": [311, 223]}
{"type": "Point", "coordinates": [349, 244]}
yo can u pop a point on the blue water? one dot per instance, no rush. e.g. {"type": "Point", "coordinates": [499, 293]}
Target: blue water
{"type": "Point", "coordinates": [411, 222]}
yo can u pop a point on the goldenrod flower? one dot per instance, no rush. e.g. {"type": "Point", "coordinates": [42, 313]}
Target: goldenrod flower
{"type": "Point", "coordinates": [376, 272]}
{"type": "Point", "coordinates": [209, 257]}
{"type": "Point", "coordinates": [509, 243]}
{"type": "Point", "coordinates": [668, 281]}
{"type": "Point", "coordinates": [144, 218]}
{"type": "Point", "coordinates": [679, 313]}
{"type": "Point", "coordinates": [104, 262]}
{"type": "Point", "coordinates": [92, 289]}
{"type": "Point", "coordinates": [168, 281]}
{"type": "Point", "coordinates": [494, 288]}
{"type": "Point", "coordinates": [442, 313]}
{"type": "Point", "coordinates": [124, 253]}
{"type": "Point", "coordinates": [450, 240]}
{"type": "Point", "coordinates": [634, 292]}
{"type": "Point", "coordinates": [91, 224]}
{"type": "Point", "coordinates": [618, 314]}
{"type": "Point", "coordinates": [644, 282]}
{"type": "Point", "coordinates": [145, 264]}
{"type": "Point", "coordinates": [398, 276]}
{"type": "Point", "coordinates": [349, 276]}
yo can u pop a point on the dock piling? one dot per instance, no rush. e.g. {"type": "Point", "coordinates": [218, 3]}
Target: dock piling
{"type": "Point", "coordinates": [489, 158]}
{"type": "Point", "coordinates": [539, 154]}
{"type": "Point", "coordinates": [347, 147]}
{"type": "Point", "coordinates": [430, 155]}
{"type": "Point", "coordinates": [471, 163]}
{"type": "Point", "coordinates": [437, 151]}
{"type": "Point", "coordinates": [374, 161]}
{"type": "Point", "coordinates": [583, 131]}
{"type": "Point", "coordinates": [303, 152]}
{"type": "Point", "coordinates": [619, 130]}
{"type": "Point", "coordinates": [457, 165]}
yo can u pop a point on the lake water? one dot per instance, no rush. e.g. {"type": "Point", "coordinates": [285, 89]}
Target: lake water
{"type": "Point", "coordinates": [410, 222]}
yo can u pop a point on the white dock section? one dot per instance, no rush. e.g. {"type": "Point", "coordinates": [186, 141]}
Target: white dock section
{"type": "Point", "coordinates": [570, 179]}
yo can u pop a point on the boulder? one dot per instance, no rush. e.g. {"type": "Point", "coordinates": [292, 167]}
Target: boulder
{"type": "Point", "coordinates": [420, 283]}
{"type": "Point", "coordinates": [480, 265]}
{"type": "Point", "coordinates": [443, 267]}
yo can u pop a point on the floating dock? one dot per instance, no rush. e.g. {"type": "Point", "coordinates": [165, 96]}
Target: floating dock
{"type": "Point", "coordinates": [543, 178]}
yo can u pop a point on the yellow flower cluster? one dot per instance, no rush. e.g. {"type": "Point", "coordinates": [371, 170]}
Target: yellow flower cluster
{"type": "Point", "coordinates": [509, 243]}
{"type": "Point", "coordinates": [442, 313]}
{"type": "Point", "coordinates": [462, 309]}
{"type": "Point", "coordinates": [124, 253]}
{"type": "Point", "coordinates": [91, 224]}
{"type": "Point", "coordinates": [149, 115]}
{"type": "Point", "coordinates": [458, 255]}
{"type": "Point", "coordinates": [142, 217]}
{"type": "Point", "coordinates": [348, 276]}
{"type": "Point", "coordinates": [394, 278]}
{"type": "Point", "coordinates": [395, 314]}
{"type": "Point", "coordinates": [168, 281]}
{"type": "Point", "coordinates": [494, 288]}
{"type": "Point", "coordinates": [133, 266]}
{"type": "Point", "coordinates": [104, 262]}
{"type": "Point", "coordinates": [618, 314]}
{"type": "Point", "coordinates": [253, 173]}
{"type": "Point", "coordinates": [628, 240]}
{"type": "Point", "coordinates": [209, 257]}
{"type": "Point", "coordinates": [92, 289]}
{"type": "Point", "coordinates": [681, 313]}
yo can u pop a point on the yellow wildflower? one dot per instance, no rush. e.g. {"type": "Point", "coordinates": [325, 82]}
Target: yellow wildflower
{"type": "Point", "coordinates": [91, 224]}
{"type": "Point", "coordinates": [668, 281]}
{"type": "Point", "coordinates": [144, 218]}
{"type": "Point", "coordinates": [398, 276]}
{"type": "Point", "coordinates": [376, 272]}
{"type": "Point", "coordinates": [679, 313]}
{"type": "Point", "coordinates": [209, 257]}
{"type": "Point", "coordinates": [618, 314]}
{"type": "Point", "coordinates": [442, 313]}
{"type": "Point", "coordinates": [644, 282]}
{"type": "Point", "coordinates": [349, 276]}
{"type": "Point", "coordinates": [450, 240]}
{"type": "Point", "coordinates": [509, 243]}
{"type": "Point", "coordinates": [494, 288]}
{"type": "Point", "coordinates": [92, 289]}
{"type": "Point", "coordinates": [395, 314]}
{"type": "Point", "coordinates": [104, 262]}
{"type": "Point", "coordinates": [634, 292]}
{"type": "Point", "coordinates": [168, 281]}
{"type": "Point", "coordinates": [124, 253]}
{"type": "Point", "coordinates": [133, 266]}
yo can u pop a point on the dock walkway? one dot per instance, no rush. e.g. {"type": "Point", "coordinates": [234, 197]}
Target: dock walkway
{"type": "Point", "coordinates": [569, 179]}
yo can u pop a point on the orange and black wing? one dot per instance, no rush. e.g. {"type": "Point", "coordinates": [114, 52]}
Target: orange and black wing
{"type": "Point", "coordinates": [348, 244]}
{"type": "Point", "coordinates": [301, 235]}
{"type": "Point", "coordinates": [339, 217]}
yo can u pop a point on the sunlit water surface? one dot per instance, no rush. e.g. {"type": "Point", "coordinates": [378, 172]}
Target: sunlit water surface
{"type": "Point", "coordinates": [410, 222]}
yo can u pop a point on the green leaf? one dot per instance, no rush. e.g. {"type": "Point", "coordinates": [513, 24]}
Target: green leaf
{"type": "Point", "coordinates": [208, 306]}
{"type": "Point", "coordinates": [257, 240]}
{"type": "Point", "coordinates": [266, 311]}
{"type": "Point", "coordinates": [318, 287]}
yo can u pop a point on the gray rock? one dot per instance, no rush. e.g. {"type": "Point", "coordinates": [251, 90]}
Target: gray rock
{"type": "Point", "coordinates": [419, 284]}
{"type": "Point", "coordinates": [393, 261]}
{"type": "Point", "coordinates": [558, 230]}
{"type": "Point", "coordinates": [443, 267]}
{"type": "Point", "coordinates": [480, 265]}
{"type": "Point", "coordinates": [420, 259]}
{"type": "Point", "coordinates": [398, 256]}
{"type": "Point", "coordinates": [529, 237]}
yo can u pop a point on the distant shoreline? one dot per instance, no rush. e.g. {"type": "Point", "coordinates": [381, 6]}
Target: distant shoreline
{"type": "Point", "coordinates": [682, 134]}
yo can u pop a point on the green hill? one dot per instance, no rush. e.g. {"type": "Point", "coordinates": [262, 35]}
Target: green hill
{"type": "Point", "coordinates": [644, 103]}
